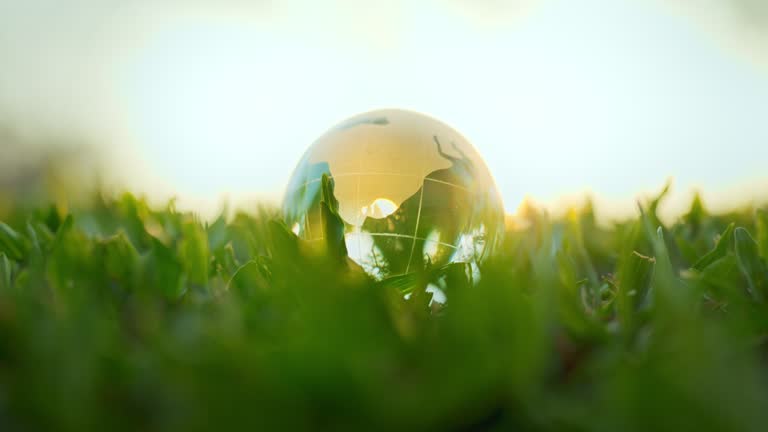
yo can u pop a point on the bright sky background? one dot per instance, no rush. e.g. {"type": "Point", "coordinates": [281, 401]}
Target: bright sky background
{"type": "Point", "coordinates": [207, 99]}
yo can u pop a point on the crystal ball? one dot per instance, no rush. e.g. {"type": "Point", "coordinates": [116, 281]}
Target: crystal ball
{"type": "Point", "coordinates": [412, 193]}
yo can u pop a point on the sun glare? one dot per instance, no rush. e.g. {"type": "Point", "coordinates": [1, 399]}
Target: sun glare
{"type": "Point", "coordinates": [245, 103]}
{"type": "Point", "coordinates": [227, 99]}
{"type": "Point", "coordinates": [229, 105]}
{"type": "Point", "coordinates": [379, 208]}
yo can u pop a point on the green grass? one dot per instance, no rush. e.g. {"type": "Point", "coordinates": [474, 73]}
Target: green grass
{"type": "Point", "coordinates": [118, 316]}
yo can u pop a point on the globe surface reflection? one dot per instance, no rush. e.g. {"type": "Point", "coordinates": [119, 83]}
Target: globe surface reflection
{"type": "Point", "coordinates": [411, 191]}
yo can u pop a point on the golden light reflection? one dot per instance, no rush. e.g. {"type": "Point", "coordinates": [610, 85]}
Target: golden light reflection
{"type": "Point", "coordinates": [379, 208]}
{"type": "Point", "coordinates": [441, 202]}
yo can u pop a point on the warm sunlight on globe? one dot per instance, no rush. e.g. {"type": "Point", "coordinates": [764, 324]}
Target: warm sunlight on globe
{"type": "Point", "coordinates": [412, 193]}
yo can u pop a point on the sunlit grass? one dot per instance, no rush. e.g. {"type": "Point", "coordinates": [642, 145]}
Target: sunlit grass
{"type": "Point", "coordinates": [115, 315]}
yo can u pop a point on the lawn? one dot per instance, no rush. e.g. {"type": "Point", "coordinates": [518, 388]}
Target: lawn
{"type": "Point", "coordinates": [119, 315]}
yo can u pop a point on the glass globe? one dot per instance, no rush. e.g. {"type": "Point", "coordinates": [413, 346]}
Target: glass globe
{"type": "Point", "coordinates": [412, 192]}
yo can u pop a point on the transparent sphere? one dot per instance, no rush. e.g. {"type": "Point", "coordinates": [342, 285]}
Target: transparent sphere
{"type": "Point", "coordinates": [412, 192]}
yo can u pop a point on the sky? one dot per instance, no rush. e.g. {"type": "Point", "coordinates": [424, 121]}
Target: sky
{"type": "Point", "coordinates": [211, 99]}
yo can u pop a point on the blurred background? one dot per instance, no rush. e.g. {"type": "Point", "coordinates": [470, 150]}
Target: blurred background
{"type": "Point", "coordinates": [213, 101]}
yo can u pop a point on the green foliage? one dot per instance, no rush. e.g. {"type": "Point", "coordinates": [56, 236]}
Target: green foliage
{"type": "Point", "coordinates": [11, 243]}
{"type": "Point", "coordinates": [762, 232]}
{"type": "Point", "coordinates": [119, 316]}
{"type": "Point", "coordinates": [721, 249]}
